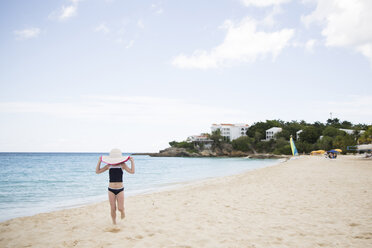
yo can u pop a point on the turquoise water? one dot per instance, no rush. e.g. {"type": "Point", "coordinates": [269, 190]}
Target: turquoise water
{"type": "Point", "coordinates": [32, 183]}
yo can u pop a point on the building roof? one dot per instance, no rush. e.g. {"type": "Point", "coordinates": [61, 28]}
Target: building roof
{"type": "Point", "coordinates": [274, 129]}
{"type": "Point", "coordinates": [350, 131]}
{"type": "Point", "coordinates": [229, 124]}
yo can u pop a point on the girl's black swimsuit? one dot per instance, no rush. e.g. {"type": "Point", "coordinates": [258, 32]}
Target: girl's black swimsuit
{"type": "Point", "coordinates": [115, 191]}
{"type": "Point", "coordinates": [116, 175]}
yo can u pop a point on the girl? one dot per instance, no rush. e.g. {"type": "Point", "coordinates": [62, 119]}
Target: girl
{"type": "Point", "coordinates": [115, 163]}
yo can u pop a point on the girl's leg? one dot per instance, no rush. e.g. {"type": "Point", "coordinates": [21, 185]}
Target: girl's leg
{"type": "Point", "coordinates": [120, 199]}
{"type": "Point", "coordinates": [112, 200]}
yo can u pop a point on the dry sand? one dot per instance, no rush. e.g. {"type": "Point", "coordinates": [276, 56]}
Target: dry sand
{"type": "Point", "coordinates": [307, 202]}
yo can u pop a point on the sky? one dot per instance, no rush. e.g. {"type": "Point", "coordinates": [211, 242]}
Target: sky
{"type": "Point", "coordinates": [92, 75]}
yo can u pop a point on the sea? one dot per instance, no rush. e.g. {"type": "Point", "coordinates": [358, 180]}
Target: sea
{"type": "Point", "coordinates": [32, 183]}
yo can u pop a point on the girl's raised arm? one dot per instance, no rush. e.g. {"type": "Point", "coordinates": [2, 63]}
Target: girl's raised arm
{"type": "Point", "coordinates": [126, 168]}
{"type": "Point", "coordinates": [98, 167]}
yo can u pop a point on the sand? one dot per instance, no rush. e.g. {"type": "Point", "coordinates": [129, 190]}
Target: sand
{"type": "Point", "coordinates": [307, 202]}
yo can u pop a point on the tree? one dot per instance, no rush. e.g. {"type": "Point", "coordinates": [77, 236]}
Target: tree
{"type": "Point", "coordinates": [310, 134]}
{"type": "Point", "coordinates": [361, 126]}
{"type": "Point", "coordinates": [304, 146]}
{"type": "Point", "coordinates": [335, 122]}
{"type": "Point", "coordinates": [332, 131]}
{"type": "Point", "coordinates": [243, 143]}
{"type": "Point", "coordinates": [356, 134]}
{"type": "Point", "coordinates": [290, 128]}
{"type": "Point", "coordinates": [346, 124]}
{"type": "Point", "coordinates": [319, 127]}
{"type": "Point", "coordinates": [343, 141]}
{"type": "Point", "coordinates": [217, 138]}
{"type": "Point", "coordinates": [282, 146]}
{"type": "Point", "coordinates": [265, 146]}
{"type": "Point", "coordinates": [182, 144]}
{"type": "Point", "coordinates": [326, 143]}
{"type": "Point", "coordinates": [366, 137]}
{"type": "Point", "coordinates": [258, 129]}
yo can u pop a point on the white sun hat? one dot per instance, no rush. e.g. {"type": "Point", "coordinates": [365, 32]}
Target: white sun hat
{"type": "Point", "coordinates": [115, 157]}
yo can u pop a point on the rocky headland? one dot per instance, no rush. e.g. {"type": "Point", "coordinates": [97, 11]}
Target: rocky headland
{"type": "Point", "coordinates": [224, 151]}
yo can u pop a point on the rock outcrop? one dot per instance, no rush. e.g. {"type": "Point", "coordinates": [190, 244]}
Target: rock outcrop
{"type": "Point", "coordinates": [174, 152]}
{"type": "Point", "coordinates": [225, 150]}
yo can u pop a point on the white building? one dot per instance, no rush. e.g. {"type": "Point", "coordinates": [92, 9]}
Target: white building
{"type": "Point", "coordinates": [231, 131]}
{"type": "Point", "coordinates": [199, 140]}
{"type": "Point", "coordinates": [351, 131]}
{"type": "Point", "coordinates": [270, 133]}
{"type": "Point", "coordinates": [298, 134]}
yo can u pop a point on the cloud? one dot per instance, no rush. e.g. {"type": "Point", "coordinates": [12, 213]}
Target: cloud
{"type": "Point", "coordinates": [26, 34]}
{"type": "Point", "coordinates": [158, 9]}
{"type": "Point", "coordinates": [140, 24]}
{"type": "Point", "coordinates": [269, 20]}
{"type": "Point", "coordinates": [119, 40]}
{"type": "Point", "coordinates": [66, 12]}
{"type": "Point", "coordinates": [102, 28]}
{"type": "Point", "coordinates": [136, 109]}
{"type": "Point", "coordinates": [345, 24]}
{"type": "Point", "coordinates": [130, 44]}
{"type": "Point", "coordinates": [242, 43]}
{"type": "Point", "coordinates": [309, 45]}
{"type": "Point", "coordinates": [263, 3]}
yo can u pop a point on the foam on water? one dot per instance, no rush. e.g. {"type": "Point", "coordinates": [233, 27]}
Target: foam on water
{"type": "Point", "coordinates": [32, 183]}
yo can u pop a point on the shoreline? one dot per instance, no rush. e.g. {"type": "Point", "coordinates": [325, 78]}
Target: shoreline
{"type": "Point", "coordinates": [182, 153]}
{"type": "Point", "coordinates": [306, 202]}
{"type": "Point", "coordinates": [154, 189]}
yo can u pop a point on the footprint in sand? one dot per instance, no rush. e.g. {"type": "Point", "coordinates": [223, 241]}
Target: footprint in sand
{"type": "Point", "coordinates": [113, 229]}
{"type": "Point", "coordinates": [137, 237]}
{"type": "Point", "coordinates": [367, 235]}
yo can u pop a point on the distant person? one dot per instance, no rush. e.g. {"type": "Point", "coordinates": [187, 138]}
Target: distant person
{"type": "Point", "coordinates": [115, 163]}
{"type": "Point", "coordinates": [332, 155]}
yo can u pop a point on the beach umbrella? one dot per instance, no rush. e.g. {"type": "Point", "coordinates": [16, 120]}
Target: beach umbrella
{"type": "Point", "coordinates": [339, 150]}
{"type": "Point", "coordinates": [334, 151]}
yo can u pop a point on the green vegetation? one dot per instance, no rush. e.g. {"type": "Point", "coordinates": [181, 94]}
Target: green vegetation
{"type": "Point", "coordinates": [217, 138]}
{"type": "Point", "coordinates": [183, 144]}
{"type": "Point", "coordinates": [243, 143]}
{"type": "Point", "coordinates": [314, 136]}
{"type": "Point", "coordinates": [366, 138]}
